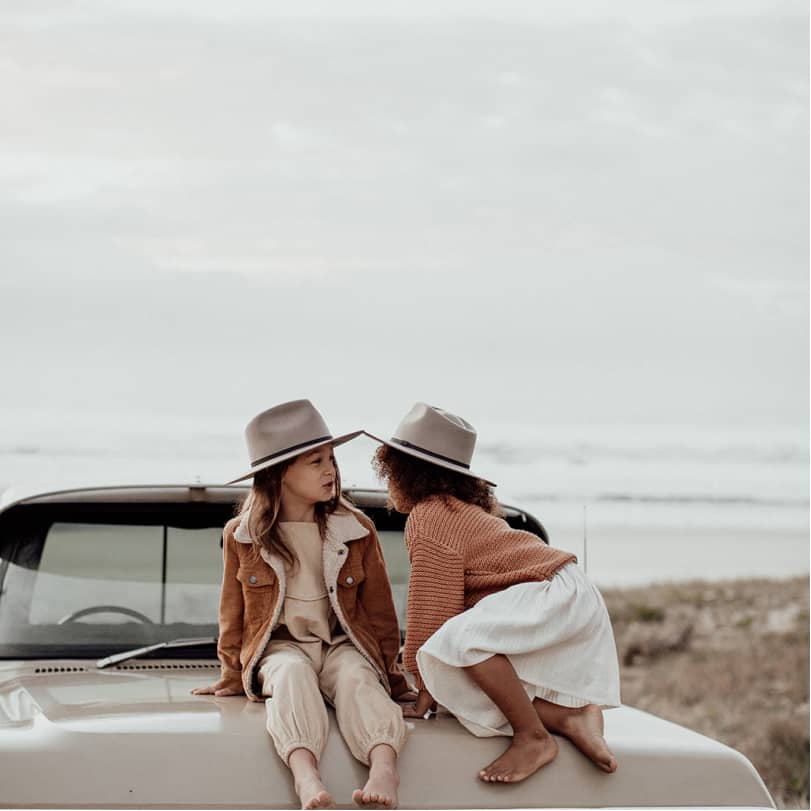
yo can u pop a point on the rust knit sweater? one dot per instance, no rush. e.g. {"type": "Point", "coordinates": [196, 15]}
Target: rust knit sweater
{"type": "Point", "coordinates": [459, 554]}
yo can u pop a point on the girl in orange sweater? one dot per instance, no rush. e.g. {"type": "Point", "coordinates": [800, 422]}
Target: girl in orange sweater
{"type": "Point", "coordinates": [504, 631]}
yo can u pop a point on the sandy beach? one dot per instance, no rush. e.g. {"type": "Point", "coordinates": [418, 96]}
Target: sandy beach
{"type": "Point", "coordinates": [729, 659]}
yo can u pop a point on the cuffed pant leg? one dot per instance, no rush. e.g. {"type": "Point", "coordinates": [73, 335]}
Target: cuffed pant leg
{"type": "Point", "coordinates": [296, 715]}
{"type": "Point", "coordinates": [367, 716]}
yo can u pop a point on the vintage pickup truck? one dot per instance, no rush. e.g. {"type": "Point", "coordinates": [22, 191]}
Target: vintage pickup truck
{"type": "Point", "coordinates": [98, 585]}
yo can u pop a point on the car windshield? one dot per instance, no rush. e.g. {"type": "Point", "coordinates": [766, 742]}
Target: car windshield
{"type": "Point", "coordinates": [92, 578]}
{"type": "Point", "coordinates": [87, 580]}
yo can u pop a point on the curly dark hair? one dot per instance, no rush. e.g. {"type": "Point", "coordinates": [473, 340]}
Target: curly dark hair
{"type": "Point", "coordinates": [415, 480]}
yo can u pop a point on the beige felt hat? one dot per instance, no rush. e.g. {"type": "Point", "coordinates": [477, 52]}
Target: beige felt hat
{"type": "Point", "coordinates": [436, 436]}
{"type": "Point", "coordinates": [285, 431]}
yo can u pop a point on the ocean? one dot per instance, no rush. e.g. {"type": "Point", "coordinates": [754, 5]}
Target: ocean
{"type": "Point", "coordinates": [637, 504]}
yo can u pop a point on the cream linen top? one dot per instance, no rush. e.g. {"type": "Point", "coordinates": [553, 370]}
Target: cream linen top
{"type": "Point", "coordinates": [306, 614]}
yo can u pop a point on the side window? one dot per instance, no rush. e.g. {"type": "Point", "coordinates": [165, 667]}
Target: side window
{"type": "Point", "coordinates": [398, 566]}
{"type": "Point", "coordinates": [193, 575]}
{"type": "Point", "coordinates": [84, 565]}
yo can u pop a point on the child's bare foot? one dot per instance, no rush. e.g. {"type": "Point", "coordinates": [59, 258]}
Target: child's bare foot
{"type": "Point", "coordinates": [311, 791]}
{"type": "Point", "coordinates": [380, 790]}
{"type": "Point", "coordinates": [313, 794]}
{"type": "Point", "coordinates": [527, 753]}
{"type": "Point", "coordinates": [583, 726]}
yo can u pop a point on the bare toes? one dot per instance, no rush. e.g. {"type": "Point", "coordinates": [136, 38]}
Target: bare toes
{"type": "Point", "coordinates": [372, 799]}
{"type": "Point", "coordinates": [321, 800]}
{"type": "Point", "coordinates": [524, 756]}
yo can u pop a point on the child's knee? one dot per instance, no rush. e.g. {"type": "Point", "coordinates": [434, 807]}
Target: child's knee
{"type": "Point", "coordinates": [291, 675]}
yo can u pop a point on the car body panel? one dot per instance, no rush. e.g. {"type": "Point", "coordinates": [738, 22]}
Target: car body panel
{"type": "Point", "coordinates": [132, 735]}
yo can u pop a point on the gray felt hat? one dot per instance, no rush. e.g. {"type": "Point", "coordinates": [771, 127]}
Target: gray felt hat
{"type": "Point", "coordinates": [285, 431]}
{"type": "Point", "coordinates": [435, 436]}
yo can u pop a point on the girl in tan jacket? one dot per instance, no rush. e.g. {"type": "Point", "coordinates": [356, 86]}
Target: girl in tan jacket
{"type": "Point", "coordinates": [306, 609]}
{"type": "Point", "coordinates": [504, 631]}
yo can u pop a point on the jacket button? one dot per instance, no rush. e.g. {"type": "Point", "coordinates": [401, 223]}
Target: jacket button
{"type": "Point", "coordinates": [331, 589]}
{"type": "Point", "coordinates": [341, 551]}
{"type": "Point", "coordinates": [350, 581]}
{"type": "Point", "coordinates": [252, 578]}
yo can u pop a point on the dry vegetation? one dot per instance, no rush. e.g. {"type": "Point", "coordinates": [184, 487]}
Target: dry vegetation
{"type": "Point", "coordinates": [728, 659]}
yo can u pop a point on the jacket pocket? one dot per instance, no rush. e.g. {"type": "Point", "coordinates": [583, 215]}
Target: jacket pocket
{"type": "Point", "coordinates": [259, 593]}
{"type": "Point", "coordinates": [255, 577]}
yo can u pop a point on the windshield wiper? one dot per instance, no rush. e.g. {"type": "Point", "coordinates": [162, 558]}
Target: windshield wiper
{"type": "Point", "coordinates": [138, 652]}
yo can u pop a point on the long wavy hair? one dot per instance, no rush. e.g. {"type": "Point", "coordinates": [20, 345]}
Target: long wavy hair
{"type": "Point", "coordinates": [263, 503]}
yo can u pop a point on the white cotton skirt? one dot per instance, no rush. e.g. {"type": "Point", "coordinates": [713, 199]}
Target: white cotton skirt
{"type": "Point", "coordinates": [557, 634]}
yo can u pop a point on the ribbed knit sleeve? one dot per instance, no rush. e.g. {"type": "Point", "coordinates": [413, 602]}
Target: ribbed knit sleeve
{"type": "Point", "coordinates": [436, 592]}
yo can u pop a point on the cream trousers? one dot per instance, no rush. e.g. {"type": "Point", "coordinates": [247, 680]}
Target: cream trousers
{"type": "Point", "coordinates": [295, 675]}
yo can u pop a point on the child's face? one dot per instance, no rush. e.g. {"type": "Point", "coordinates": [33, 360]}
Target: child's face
{"type": "Point", "coordinates": [311, 478]}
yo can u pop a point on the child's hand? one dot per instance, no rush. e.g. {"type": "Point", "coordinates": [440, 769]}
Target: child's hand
{"type": "Point", "coordinates": [217, 690]}
{"type": "Point", "coordinates": [422, 707]}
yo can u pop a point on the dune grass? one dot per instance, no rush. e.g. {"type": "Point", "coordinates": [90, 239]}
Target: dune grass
{"type": "Point", "coordinates": [728, 659]}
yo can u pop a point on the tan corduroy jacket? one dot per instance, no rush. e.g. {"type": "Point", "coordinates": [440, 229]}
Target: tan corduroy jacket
{"type": "Point", "coordinates": [253, 591]}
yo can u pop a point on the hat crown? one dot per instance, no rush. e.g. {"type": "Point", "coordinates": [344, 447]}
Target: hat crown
{"type": "Point", "coordinates": [438, 432]}
{"type": "Point", "coordinates": [284, 428]}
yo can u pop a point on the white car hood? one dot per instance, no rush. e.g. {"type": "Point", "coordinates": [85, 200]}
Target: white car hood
{"type": "Point", "coordinates": [133, 735]}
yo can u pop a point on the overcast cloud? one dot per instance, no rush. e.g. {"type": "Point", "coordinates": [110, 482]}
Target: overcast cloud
{"type": "Point", "coordinates": [592, 212]}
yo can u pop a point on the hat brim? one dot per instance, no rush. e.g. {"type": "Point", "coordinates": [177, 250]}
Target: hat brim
{"type": "Point", "coordinates": [432, 459]}
{"type": "Point", "coordinates": [306, 449]}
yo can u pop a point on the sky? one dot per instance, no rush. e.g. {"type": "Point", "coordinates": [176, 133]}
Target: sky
{"type": "Point", "coordinates": [542, 213]}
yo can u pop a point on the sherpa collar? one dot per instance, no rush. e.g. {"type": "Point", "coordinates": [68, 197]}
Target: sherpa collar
{"type": "Point", "coordinates": [342, 527]}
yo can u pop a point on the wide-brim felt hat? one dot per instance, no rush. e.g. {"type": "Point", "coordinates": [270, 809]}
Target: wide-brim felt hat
{"type": "Point", "coordinates": [437, 436]}
{"type": "Point", "coordinates": [284, 432]}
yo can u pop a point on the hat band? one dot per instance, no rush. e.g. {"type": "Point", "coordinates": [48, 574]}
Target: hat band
{"type": "Point", "coordinates": [408, 444]}
{"type": "Point", "coordinates": [291, 448]}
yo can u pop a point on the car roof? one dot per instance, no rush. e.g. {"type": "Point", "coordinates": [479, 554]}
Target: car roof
{"type": "Point", "coordinates": [144, 492]}
{"type": "Point", "coordinates": [152, 492]}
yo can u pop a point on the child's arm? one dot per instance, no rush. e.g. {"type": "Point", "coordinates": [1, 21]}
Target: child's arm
{"type": "Point", "coordinates": [376, 593]}
{"type": "Point", "coordinates": [436, 592]}
{"type": "Point", "coordinates": [421, 707]}
{"type": "Point", "coordinates": [229, 642]}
